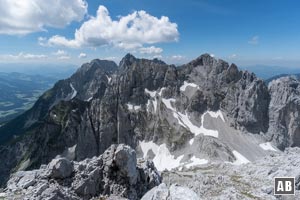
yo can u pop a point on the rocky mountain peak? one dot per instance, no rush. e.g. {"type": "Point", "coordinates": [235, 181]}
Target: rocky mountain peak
{"type": "Point", "coordinates": [204, 60]}
{"type": "Point", "coordinates": [127, 60]}
{"type": "Point", "coordinates": [97, 64]}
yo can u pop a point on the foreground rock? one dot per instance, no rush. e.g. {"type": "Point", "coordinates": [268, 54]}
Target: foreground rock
{"type": "Point", "coordinates": [248, 181]}
{"type": "Point", "coordinates": [175, 192]}
{"type": "Point", "coordinates": [115, 174]}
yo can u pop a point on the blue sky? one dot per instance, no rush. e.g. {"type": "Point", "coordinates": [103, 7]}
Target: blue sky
{"type": "Point", "coordinates": [244, 32]}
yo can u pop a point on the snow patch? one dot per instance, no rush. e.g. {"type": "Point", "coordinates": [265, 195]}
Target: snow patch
{"type": "Point", "coordinates": [186, 84]}
{"type": "Point", "coordinates": [168, 104]}
{"type": "Point", "coordinates": [196, 161]}
{"type": "Point", "coordinates": [108, 78]}
{"type": "Point", "coordinates": [154, 102]}
{"type": "Point", "coordinates": [163, 158]}
{"type": "Point", "coordinates": [71, 150]}
{"type": "Point", "coordinates": [161, 90]}
{"type": "Point", "coordinates": [191, 141]}
{"type": "Point", "coordinates": [183, 120]}
{"type": "Point", "coordinates": [267, 146]}
{"type": "Point", "coordinates": [151, 93]}
{"type": "Point", "coordinates": [240, 159]}
{"type": "Point", "coordinates": [89, 99]}
{"type": "Point", "coordinates": [74, 91]}
{"type": "Point", "coordinates": [216, 114]}
{"type": "Point", "coordinates": [133, 107]}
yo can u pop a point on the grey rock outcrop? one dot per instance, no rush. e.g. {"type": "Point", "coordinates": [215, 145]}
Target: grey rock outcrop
{"type": "Point", "coordinates": [175, 192]}
{"type": "Point", "coordinates": [284, 112]}
{"type": "Point", "coordinates": [114, 175]}
{"type": "Point", "coordinates": [125, 159]}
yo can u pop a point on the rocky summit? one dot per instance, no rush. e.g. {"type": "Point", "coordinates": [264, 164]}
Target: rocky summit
{"type": "Point", "coordinates": [114, 174]}
{"type": "Point", "coordinates": [204, 113]}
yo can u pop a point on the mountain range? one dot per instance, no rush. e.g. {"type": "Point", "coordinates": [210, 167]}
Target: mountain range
{"type": "Point", "coordinates": [199, 113]}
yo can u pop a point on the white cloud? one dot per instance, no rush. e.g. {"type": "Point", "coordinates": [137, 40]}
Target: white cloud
{"type": "Point", "coordinates": [60, 53]}
{"type": "Point", "coordinates": [232, 56]}
{"type": "Point", "coordinates": [20, 17]}
{"type": "Point", "coordinates": [254, 40]}
{"type": "Point", "coordinates": [42, 41]}
{"type": "Point", "coordinates": [23, 56]}
{"type": "Point", "coordinates": [177, 57]}
{"type": "Point", "coordinates": [61, 41]}
{"type": "Point", "coordinates": [150, 50]}
{"type": "Point", "coordinates": [157, 57]}
{"type": "Point", "coordinates": [82, 55]}
{"type": "Point", "coordinates": [128, 32]}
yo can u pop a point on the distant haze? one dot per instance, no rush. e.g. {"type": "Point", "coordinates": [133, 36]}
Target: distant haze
{"type": "Point", "coordinates": [266, 72]}
{"type": "Point", "coordinates": [52, 70]}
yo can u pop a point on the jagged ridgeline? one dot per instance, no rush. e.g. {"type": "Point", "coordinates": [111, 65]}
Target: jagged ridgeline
{"type": "Point", "coordinates": [203, 111]}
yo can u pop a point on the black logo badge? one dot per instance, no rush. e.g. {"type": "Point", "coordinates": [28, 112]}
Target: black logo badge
{"type": "Point", "coordinates": [284, 186]}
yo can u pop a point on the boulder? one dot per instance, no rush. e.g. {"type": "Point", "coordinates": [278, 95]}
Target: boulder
{"type": "Point", "coordinates": [125, 159]}
{"type": "Point", "coordinates": [175, 192]}
{"type": "Point", "coordinates": [60, 168]}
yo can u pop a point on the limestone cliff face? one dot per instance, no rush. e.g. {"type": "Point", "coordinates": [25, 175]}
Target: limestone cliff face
{"type": "Point", "coordinates": [206, 108]}
{"type": "Point", "coordinates": [284, 112]}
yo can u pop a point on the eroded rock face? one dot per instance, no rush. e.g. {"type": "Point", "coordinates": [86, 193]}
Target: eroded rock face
{"type": "Point", "coordinates": [115, 174]}
{"type": "Point", "coordinates": [284, 112]}
{"type": "Point", "coordinates": [241, 94]}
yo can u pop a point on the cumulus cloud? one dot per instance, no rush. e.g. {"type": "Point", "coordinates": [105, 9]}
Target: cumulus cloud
{"type": "Point", "coordinates": [20, 17]}
{"type": "Point", "coordinates": [254, 40]}
{"type": "Point", "coordinates": [128, 32]}
{"type": "Point", "coordinates": [23, 56]}
{"type": "Point", "coordinates": [82, 55]}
